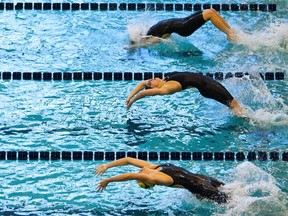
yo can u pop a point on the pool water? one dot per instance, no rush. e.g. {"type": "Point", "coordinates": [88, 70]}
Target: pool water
{"type": "Point", "coordinates": [81, 40]}
{"type": "Point", "coordinates": [62, 188]}
{"type": "Point", "coordinates": [91, 115]}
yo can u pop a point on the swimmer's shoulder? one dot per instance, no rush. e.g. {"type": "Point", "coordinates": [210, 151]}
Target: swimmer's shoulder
{"type": "Point", "coordinates": [154, 166]}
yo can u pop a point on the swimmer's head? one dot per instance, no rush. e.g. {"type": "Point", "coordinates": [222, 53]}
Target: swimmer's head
{"type": "Point", "coordinates": [145, 185]}
{"type": "Point", "coordinates": [151, 39]}
{"type": "Point", "coordinates": [147, 86]}
{"type": "Point", "coordinates": [154, 83]}
{"type": "Point", "coordinates": [142, 38]}
{"type": "Point", "coordinates": [147, 37]}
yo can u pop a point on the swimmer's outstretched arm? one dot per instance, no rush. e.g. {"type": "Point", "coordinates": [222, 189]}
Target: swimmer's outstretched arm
{"type": "Point", "coordinates": [138, 88]}
{"type": "Point", "coordinates": [136, 46]}
{"type": "Point", "coordinates": [146, 41]}
{"type": "Point", "coordinates": [148, 92]}
{"type": "Point", "coordinates": [127, 177]}
{"type": "Point", "coordinates": [122, 162]}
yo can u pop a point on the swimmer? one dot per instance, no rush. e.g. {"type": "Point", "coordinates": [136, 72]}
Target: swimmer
{"type": "Point", "coordinates": [179, 81]}
{"type": "Point", "coordinates": [184, 27]}
{"type": "Point", "coordinates": [166, 175]}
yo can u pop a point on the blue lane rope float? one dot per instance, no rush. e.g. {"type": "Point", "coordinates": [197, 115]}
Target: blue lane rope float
{"type": "Point", "coordinates": [118, 76]}
{"type": "Point", "coordinates": [67, 6]}
{"type": "Point", "coordinates": [144, 155]}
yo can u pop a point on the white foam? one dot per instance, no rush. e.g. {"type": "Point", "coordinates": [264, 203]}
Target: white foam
{"type": "Point", "coordinates": [140, 26]}
{"type": "Point", "coordinates": [265, 117]}
{"type": "Point", "coordinates": [135, 30]}
{"type": "Point", "coordinates": [254, 192]}
{"type": "Point", "coordinates": [273, 36]}
{"type": "Point", "coordinates": [262, 107]}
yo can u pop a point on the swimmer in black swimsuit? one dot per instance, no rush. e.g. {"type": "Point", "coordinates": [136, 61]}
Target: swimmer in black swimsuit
{"type": "Point", "coordinates": [167, 175]}
{"type": "Point", "coordinates": [177, 81]}
{"type": "Point", "coordinates": [185, 27]}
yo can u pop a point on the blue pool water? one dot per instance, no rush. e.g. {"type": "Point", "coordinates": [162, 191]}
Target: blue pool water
{"type": "Point", "coordinates": [91, 115]}
{"type": "Point", "coordinates": [80, 40]}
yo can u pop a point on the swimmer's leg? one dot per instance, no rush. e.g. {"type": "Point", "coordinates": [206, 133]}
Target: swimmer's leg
{"type": "Point", "coordinates": [212, 193]}
{"type": "Point", "coordinates": [215, 90]}
{"type": "Point", "coordinates": [237, 109]}
{"type": "Point", "coordinates": [219, 22]}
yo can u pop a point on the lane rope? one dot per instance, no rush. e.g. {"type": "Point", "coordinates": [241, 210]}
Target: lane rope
{"type": "Point", "coordinates": [67, 6]}
{"type": "Point", "coordinates": [119, 76]}
{"type": "Point", "coordinates": [144, 155]}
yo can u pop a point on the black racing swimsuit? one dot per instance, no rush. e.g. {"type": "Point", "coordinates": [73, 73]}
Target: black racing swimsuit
{"type": "Point", "coordinates": [197, 184]}
{"type": "Point", "coordinates": [182, 26]}
{"type": "Point", "coordinates": [207, 86]}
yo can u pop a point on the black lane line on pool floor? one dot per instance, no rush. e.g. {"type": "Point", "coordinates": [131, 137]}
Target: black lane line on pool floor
{"type": "Point", "coordinates": [144, 155]}
{"type": "Point", "coordinates": [135, 6]}
{"type": "Point", "coordinates": [119, 76]}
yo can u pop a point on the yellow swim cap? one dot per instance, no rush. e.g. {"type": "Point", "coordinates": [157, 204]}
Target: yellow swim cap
{"type": "Point", "coordinates": [145, 185]}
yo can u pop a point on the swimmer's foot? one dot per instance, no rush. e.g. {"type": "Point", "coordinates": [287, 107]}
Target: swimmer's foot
{"type": "Point", "coordinates": [239, 112]}
{"type": "Point", "coordinates": [232, 36]}
{"type": "Point", "coordinates": [237, 109]}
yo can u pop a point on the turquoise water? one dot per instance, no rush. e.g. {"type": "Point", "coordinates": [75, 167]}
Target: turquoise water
{"type": "Point", "coordinates": [91, 115]}
{"type": "Point", "coordinates": [62, 188]}
{"type": "Point", "coordinates": [80, 40]}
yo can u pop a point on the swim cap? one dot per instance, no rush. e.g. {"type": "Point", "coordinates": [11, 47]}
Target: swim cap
{"type": "Point", "coordinates": [145, 185]}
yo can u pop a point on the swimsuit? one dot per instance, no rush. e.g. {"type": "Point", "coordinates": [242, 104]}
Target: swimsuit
{"type": "Point", "coordinates": [196, 183]}
{"type": "Point", "coordinates": [182, 26]}
{"type": "Point", "coordinates": [207, 86]}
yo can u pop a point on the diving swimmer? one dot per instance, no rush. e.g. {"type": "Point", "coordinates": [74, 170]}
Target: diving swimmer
{"type": "Point", "coordinates": [165, 175]}
{"type": "Point", "coordinates": [179, 81]}
{"type": "Point", "coordinates": [184, 27]}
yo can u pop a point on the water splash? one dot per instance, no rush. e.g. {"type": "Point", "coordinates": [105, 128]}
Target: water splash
{"type": "Point", "coordinates": [264, 117]}
{"type": "Point", "coordinates": [135, 30]}
{"type": "Point", "coordinates": [274, 36]}
{"type": "Point", "coordinates": [167, 46]}
{"type": "Point", "coordinates": [270, 110]}
{"type": "Point", "coordinates": [140, 26]}
{"type": "Point", "coordinates": [254, 192]}
{"type": "Point", "coordinates": [262, 107]}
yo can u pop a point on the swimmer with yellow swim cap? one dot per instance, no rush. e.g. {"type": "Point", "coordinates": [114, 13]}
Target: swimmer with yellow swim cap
{"type": "Point", "coordinates": [166, 175]}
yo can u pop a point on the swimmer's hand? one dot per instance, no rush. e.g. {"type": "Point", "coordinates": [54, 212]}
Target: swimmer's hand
{"type": "Point", "coordinates": [129, 103]}
{"type": "Point", "coordinates": [102, 185]}
{"type": "Point", "coordinates": [128, 99]}
{"type": "Point", "coordinates": [100, 170]}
